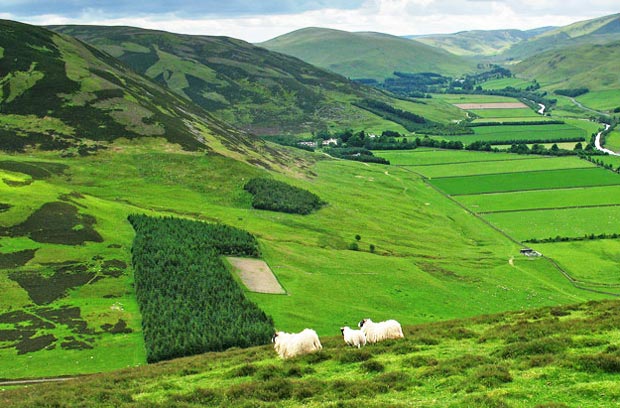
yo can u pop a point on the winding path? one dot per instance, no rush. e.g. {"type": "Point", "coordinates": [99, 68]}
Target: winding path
{"type": "Point", "coordinates": [597, 143]}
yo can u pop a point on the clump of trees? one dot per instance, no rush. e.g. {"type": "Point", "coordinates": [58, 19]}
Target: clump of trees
{"type": "Point", "coordinates": [357, 154]}
{"type": "Point", "coordinates": [571, 92]}
{"type": "Point", "coordinates": [188, 299]}
{"type": "Point", "coordinates": [274, 195]}
{"type": "Point", "coordinates": [587, 237]}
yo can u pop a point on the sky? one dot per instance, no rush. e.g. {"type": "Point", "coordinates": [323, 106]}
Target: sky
{"type": "Point", "coordinates": [260, 20]}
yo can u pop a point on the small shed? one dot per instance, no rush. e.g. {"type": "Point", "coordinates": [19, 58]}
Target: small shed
{"type": "Point", "coordinates": [530, 252]}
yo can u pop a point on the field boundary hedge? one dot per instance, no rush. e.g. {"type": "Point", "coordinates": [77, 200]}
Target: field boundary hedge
{"type": "Point", "coordinates": [189, 301]}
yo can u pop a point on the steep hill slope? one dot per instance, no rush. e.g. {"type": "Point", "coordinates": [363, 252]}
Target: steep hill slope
{"type": "Point", "coordinates": [478, 42]}
{"type": "Point", "coordinates": [59, 94]}
{"type": "Point", "coordinates": [596, 31]}
{"type": "Point", "coordinates": [366, 55]}
{"type": "Point", "coordinates": [551, 357]}
{"type": "Point", "coordinates": [590, 66]}
{"type": "Point", "coordinates": [256, 89]}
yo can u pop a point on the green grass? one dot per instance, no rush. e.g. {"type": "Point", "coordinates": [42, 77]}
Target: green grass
{"type": "Point", "coordinates": [494, 360]}
{"type": "Point", "coordinates": [574, 222]}
{"type": "Point", "coordinates": [604, 100]}
{"type": "Point", "coordinates": [525, 200]}
{"type": "Point", "coordinates": [499, 166]}
{"type": "Point", "coordinates": [517, 114]}
{"type": "Point", "coordinates": [502, 83]}
{"type": "Point", "coordinates": [514, 132]}
{"type": "Point", "coordinates": [308, 254]}
{"type": "Point", "coordinates": [534, 180]}
{"type": "Point", "coordinates": [612, 141]}
{"type": "Point", "coordinates": [464, 98]}
{"type": "Point", "coordinates": [424, 157]}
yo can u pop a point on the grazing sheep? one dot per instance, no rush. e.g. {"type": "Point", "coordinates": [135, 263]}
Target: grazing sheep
{"type": "Point", "coordinates": [354, 338]}
{"type": "Point", "coordinates": [375, 332]}
{"type": "Point", "coordinates": [289, 345]}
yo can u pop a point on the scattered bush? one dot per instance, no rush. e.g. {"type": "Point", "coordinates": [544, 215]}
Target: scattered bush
{"type": "Point", "coordinates": [372, 366]}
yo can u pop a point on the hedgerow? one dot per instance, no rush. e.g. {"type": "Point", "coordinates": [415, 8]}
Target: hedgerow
{"type": "Point", "coordinates": [275, 195]}
{"type": "Point", "coordinates": [189, 301]}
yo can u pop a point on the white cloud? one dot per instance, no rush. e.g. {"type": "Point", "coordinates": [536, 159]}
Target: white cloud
{"type": "Point", "coordinates": [398, 17]}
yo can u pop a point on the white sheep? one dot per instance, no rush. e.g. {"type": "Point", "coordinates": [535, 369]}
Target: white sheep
{"type": "Point", "coordinates": [354, 338]}
{"type": "Point", "coordinates": [375, 332]}
{"type": "Point", "coordinates": [289, 345]}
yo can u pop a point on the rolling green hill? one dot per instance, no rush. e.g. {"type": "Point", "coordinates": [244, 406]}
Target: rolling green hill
{"type": "Point", "coordinates": [551, 357]}
{"type": "Point", "coordinates": [585, 66]}
{"type": "Point", "coordinates": [57, 93]}
{"type": "Point", "coordinates": [366, 54]}
{"type": "Point", "coordinates": [256, 89]}
{"type": "Point", "coordinates": [596, 31]}
{"type": "Point", "coordinates": [478, 42]}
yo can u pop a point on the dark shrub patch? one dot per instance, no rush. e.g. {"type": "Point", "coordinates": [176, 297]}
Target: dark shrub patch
{"type": "Point", "coordinates": [244, 371]}
{"type": "Point", "coordinates": [609, 363]}
{"type": "Point", "coordinates": [201, 396]}
{"type": "Point", "coordinates": [36, 170]}
{"type": "Point", "coordinates": [75, 345]}
{"type": "Point", "coordinates": [113, 268]}
{"type": "Point", "coordinates": [541, 360]}
{"type": "Point", "coordinates": [353, 389]}
{"type": "Point", "coordinates": [119, 327]}
{"type": "Point", "coordinates": [485, 401]}
{"type": "Point", "coordinates": [395, 380]}
{"type": "Point", "coordinates": [420, 361]}
{"type": "Point", "coordinates": [16, 259]}
{"type": "Point", "coordinates": [273, 390]}
{"type": "Point", "coordinates": [372, 366]}
{"type": "Point", "coordinates": [268, 372]}
{"type": "Point", "coordinates": [552, 405]}
{"type": "Point", "coordinates": [317, 357]}
{"type": "Point", "coordinates": [57, 223]}
{"type": "Point", "coordinates": [354, 356]}
{"type": "Point", "coordinates": [551, 345]}
{"type": "Point", "coordinates": [491, 375]}
{"type": "Point", "coordinates": [308, 389]}
{"type": "Point", "coordinates": [29, 345]}
{"type": "Point", "coordinates": [43, 290]}
{"type": "Point", "coordinates": [5, 207]}
{"type": "Point", "coordinates": [275, 195]}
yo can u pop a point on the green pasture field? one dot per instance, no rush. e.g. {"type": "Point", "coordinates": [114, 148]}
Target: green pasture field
{"type": "Point", "coordinates": [501, 166]}
{"type": "Point", "coordinates": [435, 109]}
{"type": "Point", "coordinates": [557, 198]}
{"type": "Point", "coordinates": [531, 180]}
{"type": "Point", "coordinates": [589, 126]}
{"type": "Point", "coordinates": [502, 83]}
{"type": "Point", "coordinates": [505, 114]}
{"type": "Point", "coordinates": [430, 157]}
{"type": "Point", "coordinates": [612, 141]}
{"type": "Point", "coordinates": [574, 222]}
{"type": "Point", "coordinates": [605, 100]}
{"type": "Point", "coordinates": [462, 98]}
{"type": "Point", "coordinates": [525, 132]}
{"type": "Point", "coordinates": [614, 161]}
{"type": "Point", "coordinates": [431, 260]}
{"type": "Point", "coordinates": [591, 262]}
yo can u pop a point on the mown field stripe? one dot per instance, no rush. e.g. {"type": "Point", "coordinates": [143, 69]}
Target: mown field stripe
{"type": "Point", "coordinates": [572, 207]}
{"type": "Point", "coordinates": [516, 172]}
{"type": "Point", "coordinates": [473, 162]}
{"type": "Point", "coordinates": [531, 189]}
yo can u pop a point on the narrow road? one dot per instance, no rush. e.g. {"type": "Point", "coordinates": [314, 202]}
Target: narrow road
{"type": "Point", "coordinates": [576, 102]}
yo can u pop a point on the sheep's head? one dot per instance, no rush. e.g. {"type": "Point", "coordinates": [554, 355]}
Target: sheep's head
{"type": "Point", "coordinates": [362, 322]}
{"type": "Point", "coordinates": [342, 329]}
{"type": "Point", "coordinates": [274, 337]}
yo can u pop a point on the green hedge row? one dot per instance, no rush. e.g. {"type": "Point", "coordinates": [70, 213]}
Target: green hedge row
{"type": "Point", "coordinates": [188, 299]}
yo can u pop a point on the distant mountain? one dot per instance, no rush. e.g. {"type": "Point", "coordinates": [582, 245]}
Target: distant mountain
{"type": "Point", "coordinates": [256, 89]}
{"type": "Point", "coordinates": [592, 66]}
{"type": "Point", "coordinates": [57, 93]}
{"type": "Point", "coordinates": [366, 54]}
{"type": "Point", "coordinates": [596, 31]}
{"type": "Point", "coordinates": [478, 42]}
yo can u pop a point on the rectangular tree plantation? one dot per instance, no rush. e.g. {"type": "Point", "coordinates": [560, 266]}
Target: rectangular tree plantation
{"type": "Point", "coordinates": [189, 301]}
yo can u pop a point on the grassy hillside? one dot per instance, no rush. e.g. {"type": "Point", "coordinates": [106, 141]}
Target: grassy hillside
{"type": "Point", "coordinates": [589, 66]}
{"type": "Point", "coordinates": [56, 93]}
{"type": "Point", "coordinates": [551, 357]}
{"type": "Point", "coordinates": [256, 89]}
{"type": "Point", "coordinates": [477, 42]}
{"type": "Point", "coordinates": [596, 31]}
{"type": "Point", "coordinates": [366, 55]}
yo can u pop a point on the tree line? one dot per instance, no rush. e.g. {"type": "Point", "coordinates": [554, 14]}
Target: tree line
{"type": "Point", "coordinates": [188, 299]}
